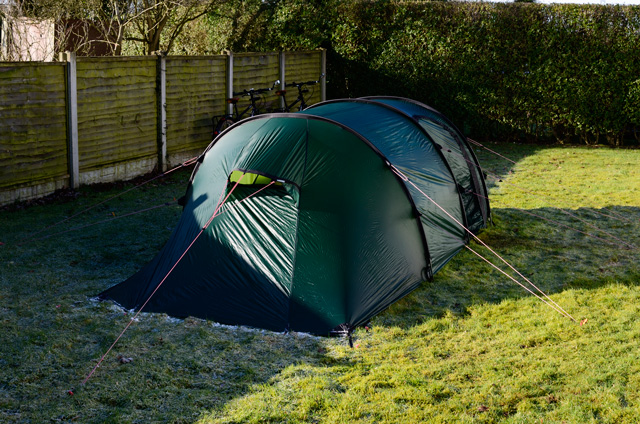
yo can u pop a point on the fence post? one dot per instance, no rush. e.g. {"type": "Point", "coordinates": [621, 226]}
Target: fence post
{"type": "Point", "coordinates": [323, 70]}
{"type": "Point", "coordinates": [161, 89]}
{"type": "Point", "coordinates": [72, 118]}
{"type": "Point", "coordinates": [283, 64]}
{"type": "Point", "coordinates": [229, 54]}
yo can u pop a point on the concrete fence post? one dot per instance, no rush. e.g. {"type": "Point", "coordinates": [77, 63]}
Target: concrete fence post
{"type": "Point", "coordinates": [323, 70]}
{"type": "Point", "coordinates": [161, 84]}
{"type": "Point", "coordinates": [229, 77]}
{"type": "Point", "coordinates": [283, 64]}
{"type": "Point", "coordinates": [72, 118]}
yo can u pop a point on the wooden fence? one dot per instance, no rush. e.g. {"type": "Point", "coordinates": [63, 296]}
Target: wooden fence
{"type": "Point", "coordinates": [88, 120]}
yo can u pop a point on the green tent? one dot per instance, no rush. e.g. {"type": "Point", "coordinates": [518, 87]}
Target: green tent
{"type": "Point", "coordinates": [319, 233]}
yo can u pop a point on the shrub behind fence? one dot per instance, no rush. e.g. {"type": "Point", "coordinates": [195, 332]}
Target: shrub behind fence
{"type": "Point", "coordinates": [500, 70]}
{"type": "Point", "coordinates": [546, 72]}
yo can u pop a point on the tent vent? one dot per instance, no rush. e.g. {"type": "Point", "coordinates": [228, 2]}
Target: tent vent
{"type": "Point", "coordinates": [251, 178]}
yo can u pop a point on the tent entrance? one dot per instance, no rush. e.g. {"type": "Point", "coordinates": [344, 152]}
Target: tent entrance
{"type": "Point", "coordinates": [256, 233]}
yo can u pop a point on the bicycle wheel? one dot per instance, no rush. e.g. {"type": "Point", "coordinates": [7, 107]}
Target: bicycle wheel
{"type": "Point", "coordinates": [223, 124]}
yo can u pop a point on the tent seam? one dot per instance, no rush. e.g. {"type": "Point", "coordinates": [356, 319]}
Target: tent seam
{"type": "Point", "coordinates": [437, 150]}
{"type": "Point", "coordinates": [463, 139]}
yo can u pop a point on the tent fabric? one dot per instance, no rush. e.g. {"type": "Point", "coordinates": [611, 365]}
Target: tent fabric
{"type": "Point", "coordinates": [323, 234]}
{"type": "Point", "coordinates": [457, 151]}
{"type": "Point", "coordinates": [406, 146]}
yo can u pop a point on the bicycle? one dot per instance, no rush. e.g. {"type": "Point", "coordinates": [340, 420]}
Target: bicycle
{"type": "Point", "coordinates": [301, 92]}
{"type": "Point", "coordinates": [222, 122]}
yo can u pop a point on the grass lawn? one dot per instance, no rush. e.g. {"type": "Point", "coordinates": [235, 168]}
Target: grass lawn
{"type": "Point", "coordinates": [469, 347]}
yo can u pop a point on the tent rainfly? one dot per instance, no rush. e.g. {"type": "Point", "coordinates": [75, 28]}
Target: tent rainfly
{"type": "Point", "coordinates": [320, 231]}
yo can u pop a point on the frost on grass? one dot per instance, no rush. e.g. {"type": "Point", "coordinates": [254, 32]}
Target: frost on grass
{"type": "Point", "coordinates": [233, 329]}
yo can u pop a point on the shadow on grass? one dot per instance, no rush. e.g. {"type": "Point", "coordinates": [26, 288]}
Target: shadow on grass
{"type": "Point", "coordinates": [211, 369]}
{"type": "Point", "coordinates": [52, 335]}
{"type": "Point", "coordinates": [555, 256]}
{"type": "Point", "coordinates": [496, 159]}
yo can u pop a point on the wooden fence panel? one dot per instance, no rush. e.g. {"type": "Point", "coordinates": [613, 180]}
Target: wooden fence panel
{"type": "Point", "coordinates": [33, 129]}
{"type": "Point", "coordinates": [195, 93]}
{"type": "Point", "coordinates": [304, 66]}
{"type": "Point", "coordinates": [256, 70]}
{"type": "Point", "coordinates": [117, 117]}
{"type": "Point", "coordinates": [119, 114]}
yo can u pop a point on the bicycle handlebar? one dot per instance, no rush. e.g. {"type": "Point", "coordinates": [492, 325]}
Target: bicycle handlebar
{"type": "Point", "coordinates": [252, 91]}
{"type": "Point", "coordinates": [300, 84]}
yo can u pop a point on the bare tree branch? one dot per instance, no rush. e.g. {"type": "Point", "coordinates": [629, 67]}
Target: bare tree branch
{"type": "Point", "coordinates": [101, 26]}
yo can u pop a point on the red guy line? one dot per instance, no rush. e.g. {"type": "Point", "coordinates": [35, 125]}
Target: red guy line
{"type": "Point", "coordinates": [405, 178]}
{"type": "Point", "coordinates": [186, 163]}
{"type": "Point", "coordinates": [215, 212]}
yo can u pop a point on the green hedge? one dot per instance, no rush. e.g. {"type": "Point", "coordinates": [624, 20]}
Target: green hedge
{"type": "Point", "coordinates": [500, 70]}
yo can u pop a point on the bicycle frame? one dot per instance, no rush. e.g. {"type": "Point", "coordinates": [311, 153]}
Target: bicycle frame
{"type": "Point", "coordinates": [222, 121]}
{"type": "Point", "coordinates": [301, 91]}
{"type": "Point", "coordinates": [299, 99]}
{"type": "Point", "coordinates": [254, 96]}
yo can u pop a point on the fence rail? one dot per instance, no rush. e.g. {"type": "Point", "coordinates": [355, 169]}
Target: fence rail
{"type": "Point", "coordinates": [89, 120]}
